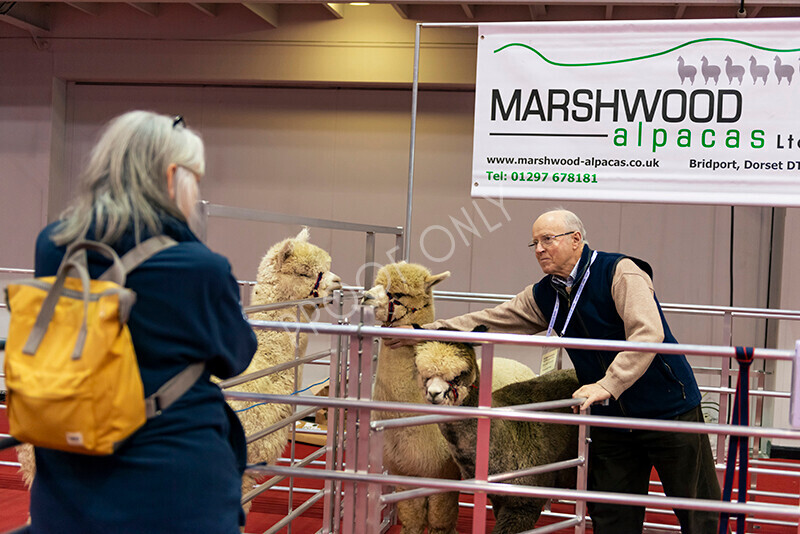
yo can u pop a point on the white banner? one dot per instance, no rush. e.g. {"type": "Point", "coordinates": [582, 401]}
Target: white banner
{"type": "Point", "coordinates": [703, 111]}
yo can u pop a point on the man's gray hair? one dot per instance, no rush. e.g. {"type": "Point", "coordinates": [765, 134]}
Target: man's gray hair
{"type": "Point", "coordinates": [571, 222]}
{"type": "Point", "coordinates": [124, 184]}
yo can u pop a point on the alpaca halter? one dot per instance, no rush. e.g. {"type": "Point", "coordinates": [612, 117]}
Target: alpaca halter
{"type": "Point", "coordinates": [393, 301]}
{"type": "Point", "coordinates": [454, 390]}
{"type": "Point", "coordinates": [315, 290]}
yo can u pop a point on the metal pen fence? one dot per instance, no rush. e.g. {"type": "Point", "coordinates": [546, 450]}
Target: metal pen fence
{"type": "Point", "coordinates": [356, 482]}
{"type": "Point", "coordinates": [209, 210]}
{"type": "Point", "coordinates": [351, 357]}
{"type": "Point", "coordinates": [347, 381]}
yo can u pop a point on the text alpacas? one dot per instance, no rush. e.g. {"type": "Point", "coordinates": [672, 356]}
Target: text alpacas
{"type": "Point", "coordinates": [403, 295]}
{"type": "Point", "coordinates": [292, 269]}
{"type": "Point", "coordinates": [449, 375]}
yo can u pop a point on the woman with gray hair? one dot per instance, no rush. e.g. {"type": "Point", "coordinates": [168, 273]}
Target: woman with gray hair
{"type": "Point", "coordinates": [181, 472]}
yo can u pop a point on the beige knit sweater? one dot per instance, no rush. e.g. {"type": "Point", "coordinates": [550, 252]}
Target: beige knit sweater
{"type": "Point", "coordinates": [633, 294]}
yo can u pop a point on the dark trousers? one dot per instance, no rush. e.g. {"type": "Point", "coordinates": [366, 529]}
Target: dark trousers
{"type": "Point", "coordinates": [621, 461]}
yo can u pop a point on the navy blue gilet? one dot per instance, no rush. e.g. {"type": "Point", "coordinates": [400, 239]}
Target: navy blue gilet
{"type": "Point", "coordinates": [668, 387]}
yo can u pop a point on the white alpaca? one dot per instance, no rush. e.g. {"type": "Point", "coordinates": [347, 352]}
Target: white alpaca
{"type": "Point", "coordinates": [709, 71]}
{"type": "Point", "coordinates": [403, 295]}
{"type": "Point", "coordinates": [449, 375]}
{"type": "Point", "coordinates": [292, 269]}
{"type": "Point", "coordinates": [733, 71]}
{"type": "Point", "coordinates": [686, 71]}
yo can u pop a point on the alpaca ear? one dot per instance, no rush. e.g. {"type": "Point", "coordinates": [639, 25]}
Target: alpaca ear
{"type": "Point", "coordinates": [434, 279]}
{"type": "Point", "coordinates": [303, 235]}
{"type": "Point", "coordinates": [481, 328]}
{"type": "Point", "coordinates": [284, 253]}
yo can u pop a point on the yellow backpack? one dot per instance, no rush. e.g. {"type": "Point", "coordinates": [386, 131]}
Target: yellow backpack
{"type": "Point", "coordinates": [71, 372]}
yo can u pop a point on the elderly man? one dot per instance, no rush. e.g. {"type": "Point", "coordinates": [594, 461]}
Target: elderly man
{"type": "Point", "coordinates": [600, 295]}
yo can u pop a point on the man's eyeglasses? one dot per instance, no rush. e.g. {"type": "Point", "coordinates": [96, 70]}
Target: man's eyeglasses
{"type": "Point", "coordinates": [548, 240]}
{"type": "Point", "coordinates": [178, 120]}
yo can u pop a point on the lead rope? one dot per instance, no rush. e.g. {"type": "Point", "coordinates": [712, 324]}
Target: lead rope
{"type": "Point", "coordinates": [738, 444]}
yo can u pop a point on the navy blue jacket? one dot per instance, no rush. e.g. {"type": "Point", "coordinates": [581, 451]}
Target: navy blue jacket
{"type": "Point", "coordinates": [181, 472]}
{"type": "Point", "coordinates": [668, 387]}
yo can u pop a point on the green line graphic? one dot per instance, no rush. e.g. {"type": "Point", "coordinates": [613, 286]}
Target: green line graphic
{"type": "Point", "coordinates": [648, 56]}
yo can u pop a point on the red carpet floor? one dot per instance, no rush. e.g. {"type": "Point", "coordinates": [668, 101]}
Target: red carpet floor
{"type": "Point", "coordinates": [271, 507]}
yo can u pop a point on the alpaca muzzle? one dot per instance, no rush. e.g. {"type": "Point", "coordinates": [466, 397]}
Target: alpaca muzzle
{"type": "Point", "coordinates": [436, 390]}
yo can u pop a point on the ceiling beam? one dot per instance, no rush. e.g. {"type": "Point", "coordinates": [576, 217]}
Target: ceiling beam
{"type": "Point", "coordinates": [698, 3]}
{"type": "Point", "coordinates": [337, 10]}
{"type": "Point", "coordinates": [468, 11]}
{"type": "Point", "coordinates": [401, 10]}
{"type": "Point", "coordinates": [148, 8]}
{"type": "Point", "coordinates": [690, 3]}
{"type": "Point", "coordinates": [609, 11]}
{"type": "Point", "coordinates": [90, 8]}
{"type": "Point", "coordinates": [268, 12]}
{"type": "Point", "coordinates": [538, 11]}
{"type": "Point", "coordinates": [31, 17]}
{"type": "Point", "coordinates": [680, 9]}
{"type": "Point", "coordinates": [207, 9]}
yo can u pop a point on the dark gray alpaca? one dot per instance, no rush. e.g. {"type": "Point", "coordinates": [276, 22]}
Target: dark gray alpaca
{"type": "Point", "coordinates": [449, 375]}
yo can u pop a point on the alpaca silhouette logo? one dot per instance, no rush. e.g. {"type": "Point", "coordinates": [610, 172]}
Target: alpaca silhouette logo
{"type": "Point", "coordinates": [783, 71]}
{"type": "Point", "coordinates": [709, 71]}
{"type": "Point", "coordinates": [758, 72]}
{"type": "Point", "coordinates": [733, 71]}
{"type": "Point", "coordinates": [686, 71]}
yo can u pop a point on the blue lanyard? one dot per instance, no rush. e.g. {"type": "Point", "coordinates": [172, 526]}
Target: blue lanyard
{"type": "Point", "coordinates": [574, 301]}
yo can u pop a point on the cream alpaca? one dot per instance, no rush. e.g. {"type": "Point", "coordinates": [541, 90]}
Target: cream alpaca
{"type": "Point", "coordinates": [292, 269]}
{"type": "Point", "coordinates": [27, 462]}
{"type": "Point", "coordinates": [403, 295]}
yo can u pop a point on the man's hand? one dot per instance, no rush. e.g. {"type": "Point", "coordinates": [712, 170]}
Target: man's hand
{"type": "Point", "coordinates": [397, 342]}
{"type": "Point", "coordinates": [593, 392]}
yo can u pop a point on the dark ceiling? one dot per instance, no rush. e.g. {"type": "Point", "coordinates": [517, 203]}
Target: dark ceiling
{"type": "Point", "coordinates": [38, 18]}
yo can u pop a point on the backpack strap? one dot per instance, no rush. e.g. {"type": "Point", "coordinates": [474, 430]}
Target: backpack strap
{"type": "Point", "coordinates": [118, 272]}
{"type": "Point", "coordinates": [139, 254]}
{"type": "Point", "coordinates": [173, 389]}
{"type": "Point", "coordinates": [68, 264]}
{"type": "Point", "coordinates": [179, 384]}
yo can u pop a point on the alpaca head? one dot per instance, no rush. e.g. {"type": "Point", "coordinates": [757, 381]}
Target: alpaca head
{"type": "Point", "coordinates": [295, 269]}
{"type": "Point", "coordinates": [446, 371]}
{"type": "Point", "coordinates": [402, 294]}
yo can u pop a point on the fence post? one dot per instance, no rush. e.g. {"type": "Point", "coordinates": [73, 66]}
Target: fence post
{"type": "Point", "coordinates": [364, 370]}
{"type": "Point", "coordinates": [482, 449]}
{"type": "Point", "coordinates": [794, 412]}
{"type": "Point", "coordinates": [724, 382]}
{"type": "Point", "coordinates": [584, 442]}
{"type": "Point", "coordinates": [334, 445]}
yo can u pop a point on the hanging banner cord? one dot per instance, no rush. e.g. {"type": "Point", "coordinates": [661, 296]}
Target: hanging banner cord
{"type": "Point", "coordinates": [738, 444]}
